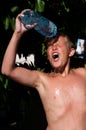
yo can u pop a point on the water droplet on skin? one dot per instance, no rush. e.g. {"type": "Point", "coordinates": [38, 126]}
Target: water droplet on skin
{"type": "Point", "coordinates": [57, 92]}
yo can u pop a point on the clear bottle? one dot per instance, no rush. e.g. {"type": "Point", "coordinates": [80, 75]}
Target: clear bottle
{"type": "Point", "coordinates": [44, 26]}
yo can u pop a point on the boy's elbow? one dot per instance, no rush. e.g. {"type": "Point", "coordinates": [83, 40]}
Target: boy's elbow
{"type": "Point", "coordinates": [5, 71]}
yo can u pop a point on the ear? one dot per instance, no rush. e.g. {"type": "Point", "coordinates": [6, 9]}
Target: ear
{"type": "Point", "coordinates": [72, 52]}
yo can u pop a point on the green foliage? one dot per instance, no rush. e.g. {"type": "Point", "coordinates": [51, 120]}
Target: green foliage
{"type": "Point", "coordinates": [9, 21]}
{"type": "Point", "coordinates": [39, 5]}
{"type": "Point", "coordinates": [4, 81]}
{"type": "Point", "coordinates": [3, 93]}
{"type": "Point", "coordinates": [64, 5]}
{"type": "Point", "coordinates": [43, 49]}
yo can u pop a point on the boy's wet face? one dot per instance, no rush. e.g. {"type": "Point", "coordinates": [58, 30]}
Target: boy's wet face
{"type": "Point", "coordinates": [58, 52]}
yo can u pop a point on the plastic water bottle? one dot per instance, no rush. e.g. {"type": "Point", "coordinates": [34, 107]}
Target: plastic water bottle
{"type": "Point", "coordinates": [44, 26]}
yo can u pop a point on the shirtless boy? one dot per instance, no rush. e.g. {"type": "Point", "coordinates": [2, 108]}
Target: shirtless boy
{"type": "Point", "coordinates": [63, 91]}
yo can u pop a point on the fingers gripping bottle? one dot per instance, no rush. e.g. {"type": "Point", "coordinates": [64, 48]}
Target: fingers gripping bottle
{"type": "Point", "coordinates": [44, 26]}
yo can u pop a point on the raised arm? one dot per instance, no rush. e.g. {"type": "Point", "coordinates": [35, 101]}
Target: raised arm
{"type": "Point", "coordinates": [21, 75]}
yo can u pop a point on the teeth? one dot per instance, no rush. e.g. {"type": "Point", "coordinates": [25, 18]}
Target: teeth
{"type": "Point", "coordinates": [55, 55]}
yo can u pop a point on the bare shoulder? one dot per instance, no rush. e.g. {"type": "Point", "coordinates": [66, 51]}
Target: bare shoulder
{"type": "Point", "coordinates": [81, 71]}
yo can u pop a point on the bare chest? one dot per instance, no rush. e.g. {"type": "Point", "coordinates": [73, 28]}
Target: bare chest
{"type": "Point", "coordinates": [65, 95]}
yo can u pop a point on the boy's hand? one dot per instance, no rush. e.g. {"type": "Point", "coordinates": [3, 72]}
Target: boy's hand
{"type": "Point", "coordinates": [20, 27]}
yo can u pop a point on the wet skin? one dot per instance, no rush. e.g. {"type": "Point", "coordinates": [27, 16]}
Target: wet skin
{"type": "Point", "coordinates": [65, 101]}
{"type": "Point", "coordinates": [65, 97]}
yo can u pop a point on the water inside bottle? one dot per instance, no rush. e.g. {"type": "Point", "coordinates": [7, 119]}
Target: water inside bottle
{"type": "Point", "coordinates": [44, 26]}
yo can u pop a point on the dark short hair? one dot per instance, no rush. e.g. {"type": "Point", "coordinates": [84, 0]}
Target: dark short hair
{"type": "Point", "coordinates": [70, 38]}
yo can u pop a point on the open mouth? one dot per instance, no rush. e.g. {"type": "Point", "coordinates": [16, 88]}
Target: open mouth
{"type": "Point", "coordinates": [55, 55]}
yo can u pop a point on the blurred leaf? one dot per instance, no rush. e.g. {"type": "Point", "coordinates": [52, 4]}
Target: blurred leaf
{"type": "Point", "coordinates": [4, 81]}
{"type": "Point", "coordinates": [12, 23]}
{"type": "Point", "coordinates": [9, 23]}
{"type": "Point", "coordinates": [6, 23]}
{"type": "Point", "coordinates": [43, 49]}
{"type": "Point", "coordinates": [39, 6]}
{"type": "Point", "coordinates": [67, 9]}
{"type": "Point", "coordinates": [14, 8]}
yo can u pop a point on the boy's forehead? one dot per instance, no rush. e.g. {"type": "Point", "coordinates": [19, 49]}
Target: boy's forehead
{"type": "Point", "coordinates": [62, 38]}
